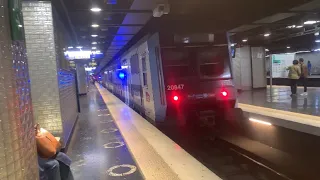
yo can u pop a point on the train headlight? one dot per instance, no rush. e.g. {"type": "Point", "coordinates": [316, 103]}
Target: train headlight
{"type": "Point", "coordinates": [175, 98]}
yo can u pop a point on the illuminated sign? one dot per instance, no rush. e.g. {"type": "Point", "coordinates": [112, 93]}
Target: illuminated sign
{"type": "Point", "coordinates": [72, 55]}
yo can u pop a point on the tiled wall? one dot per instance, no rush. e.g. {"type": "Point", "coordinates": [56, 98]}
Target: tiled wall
{"type": "Point", "coordinates": [53, 89]}
{"type": "Point", "coordinates": [43, 68]}
{"type": "Point", "coordinates": [68, 100]}
{"type": "Point", "coordinates": [67, 85]}
{"type": "Point", "coordinates": [62, 40]}
{"type": "Point", "coordinates": [18, 157]}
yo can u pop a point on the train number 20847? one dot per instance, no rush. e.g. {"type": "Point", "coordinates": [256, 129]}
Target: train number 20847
{"type": "Point", "coordinates": [175, 87]}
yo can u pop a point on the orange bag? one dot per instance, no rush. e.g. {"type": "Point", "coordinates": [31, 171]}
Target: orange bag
{"type": "Point", "coordinates": [47, 144]}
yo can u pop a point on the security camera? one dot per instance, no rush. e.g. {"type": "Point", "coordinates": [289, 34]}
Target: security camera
{"type": "Point", "coordinates": [161, 9]}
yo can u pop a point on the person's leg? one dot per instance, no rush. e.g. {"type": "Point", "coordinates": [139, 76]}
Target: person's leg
{"type": "Point", "coordinates": [51, 168]}
{"type": "Point", "coordinates": [65, 163]}
{"type": "Point", "coordinates": [305, 84]}
{"type": "Point", "coordinates": [291, 85]}
{"type": "Point", "coordinates": [295, 81]}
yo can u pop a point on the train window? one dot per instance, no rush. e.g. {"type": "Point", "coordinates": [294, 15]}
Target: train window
{"type": "Point", "coordinates": [144, 71]}
{"type": "Point", "coordinates": [144, 64]}
{"type": "Point", "coordinates": [145, 81]}
{"type": "Point", "coordinates": [176, 62]}
{"type": "Point", "coordinates": [174, 57]}
{"type": "Point", "coordinates": [212, 61]}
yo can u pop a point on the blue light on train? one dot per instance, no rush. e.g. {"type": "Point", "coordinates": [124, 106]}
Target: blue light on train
{"type": "Point", "coordinates": [122, 75]}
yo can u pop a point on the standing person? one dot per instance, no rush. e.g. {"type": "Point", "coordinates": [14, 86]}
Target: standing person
{"type": "Point", "coordinates": [304, 76]}
{"type": "Point", "coordinates": [294, 75]}
{"type": "Point", "coordinates": [309, 68]}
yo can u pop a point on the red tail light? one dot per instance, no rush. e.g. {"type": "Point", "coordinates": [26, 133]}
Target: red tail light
{"type": "Point", "coordinates": [175, 98]}
{"type": "Point", "coordinates": [224, 93]}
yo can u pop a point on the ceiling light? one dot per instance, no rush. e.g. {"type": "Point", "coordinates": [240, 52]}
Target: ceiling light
{"type": "Point", "coordinates": [317, 41]}
{"type": "Point", "coordinates": [95, 9]}
{"type": "Point", "coordinates": [310, 22]}
{"type": "Point", "coordinates": [94, 47]}
{"type": "Point", "coordinates": [244, 40]}
{"type": "Point", "coordinates": [292, 26]}
{"type": "Point", "coordinates": [288, 47]}
{"type": "Point", "coordinates": [267, 50]}
{"type": "Point", "coordinates": [94, 43]}
{"type": "Point", "coordinates": [316, 34]}
{"type": "Point", "coordinates": [94, 35]}
{"type": "Point", "coordinates": [95, 25]}
{"type": "Point", "coordinates": [70, 47]}
{"type": "Point", "coordinates": [79, 47]}
{"type": "Point", "coordinates": [299, 26]}
{"type": "Point", "coordinates": [266, 35]}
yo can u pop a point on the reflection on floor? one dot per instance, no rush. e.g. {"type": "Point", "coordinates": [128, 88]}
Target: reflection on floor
{"type": "Point", "coordinates": [279, 98]}
{"type": "Point", "coordinates": [97, 148]}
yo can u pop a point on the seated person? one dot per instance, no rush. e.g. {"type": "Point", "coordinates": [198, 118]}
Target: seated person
{"type": "Point", "coordinates": [53, 164]}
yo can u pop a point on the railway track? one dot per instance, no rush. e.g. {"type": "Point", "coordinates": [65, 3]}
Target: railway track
{"type": "Point", "coordinates": [223, 158]}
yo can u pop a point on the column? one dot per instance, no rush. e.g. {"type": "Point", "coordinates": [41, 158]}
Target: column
{"type": "Point", "coordinates": [81, 78]}
{"type": "Point", "coordinates": [259, 76]}
{"type": "Point", "coordinates": [242, 68]}
{"type": "Point", "coordinates": [53, 89]}
{"type": "Point", "coordinates": [249, 69]}
{"type": "Point", "coordinates": [18, 156]}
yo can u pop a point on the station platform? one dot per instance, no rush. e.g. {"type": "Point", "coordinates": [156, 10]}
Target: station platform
{"type": "Point", "coordinates": [111, 141]}
{"type": "Point", "coordinates": [97, 148]}
{"type": "Point", "coordinates": [299, 113]}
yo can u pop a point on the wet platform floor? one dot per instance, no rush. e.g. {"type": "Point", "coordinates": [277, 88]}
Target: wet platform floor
{"type": "Point", "coordinates": [97, 148]}
{"type": "Point", "coordinates": [279, 98]}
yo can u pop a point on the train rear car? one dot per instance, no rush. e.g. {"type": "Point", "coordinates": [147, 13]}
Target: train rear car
{"type": "Point", "coordinates": [167, 74]}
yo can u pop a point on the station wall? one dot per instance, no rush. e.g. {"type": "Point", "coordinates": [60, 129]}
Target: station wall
{"type": "Point", "coordinates": [51, 83]}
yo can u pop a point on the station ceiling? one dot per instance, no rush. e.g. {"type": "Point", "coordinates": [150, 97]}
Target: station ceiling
{"type": "Point", "coordinates": [122, 22]}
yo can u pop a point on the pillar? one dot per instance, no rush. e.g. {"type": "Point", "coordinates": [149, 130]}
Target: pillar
{"type": "Point", "coordinates": [259, 75]}
{"type": "Point", "coordinates": [242, 68]}
{"type": "Point", "coordinates": [18, 157]}
{"type": "Point", "coordinates": [53, 89]}
{"type": "Point", "coordinates": [249, 70]}
{"type": "Point", "coordinates": [82, 78]}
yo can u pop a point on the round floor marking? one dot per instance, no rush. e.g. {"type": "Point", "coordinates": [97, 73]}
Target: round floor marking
{"type": "Point", "coordinates": [131, 171]}
{"type": "Point", "coordinates": [106, 121]}
{"type": "Point", "coordinates": [110, 130]}
{"type": "Point", "coordinates": [103, 115]}
{"type": "Point", "coordinates": [113, 145]}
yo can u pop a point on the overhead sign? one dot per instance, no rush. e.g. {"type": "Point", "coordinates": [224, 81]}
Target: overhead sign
{"type": "Point", "coordinates": [73, 55]}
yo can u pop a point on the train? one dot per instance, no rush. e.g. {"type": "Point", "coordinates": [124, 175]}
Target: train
{"type": "Point", "coordinates": [165, 74]}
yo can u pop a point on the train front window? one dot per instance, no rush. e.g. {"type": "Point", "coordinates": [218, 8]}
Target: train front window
{"type": "Point", "coordinates": [213, 62]}
{"type": "Point", "coordinates": [176, 62]}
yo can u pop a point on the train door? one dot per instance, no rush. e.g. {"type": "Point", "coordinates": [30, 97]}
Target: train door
{"type": "Point", "coordinates": [148, 101]}
{"type": "Point", "coordinates": [135, 84]}
{"type": "Point", "coordinates": [125, 81]}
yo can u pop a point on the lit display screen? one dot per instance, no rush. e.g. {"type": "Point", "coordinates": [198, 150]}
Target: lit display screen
{"type": "Point", "coordinates": [72, 55]}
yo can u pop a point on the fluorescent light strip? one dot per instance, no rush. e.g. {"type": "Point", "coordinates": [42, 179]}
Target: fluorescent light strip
{"type": "Point", "coordinates": [259, 121]}
{"type": "Point", "coordinates": [95, 9]}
